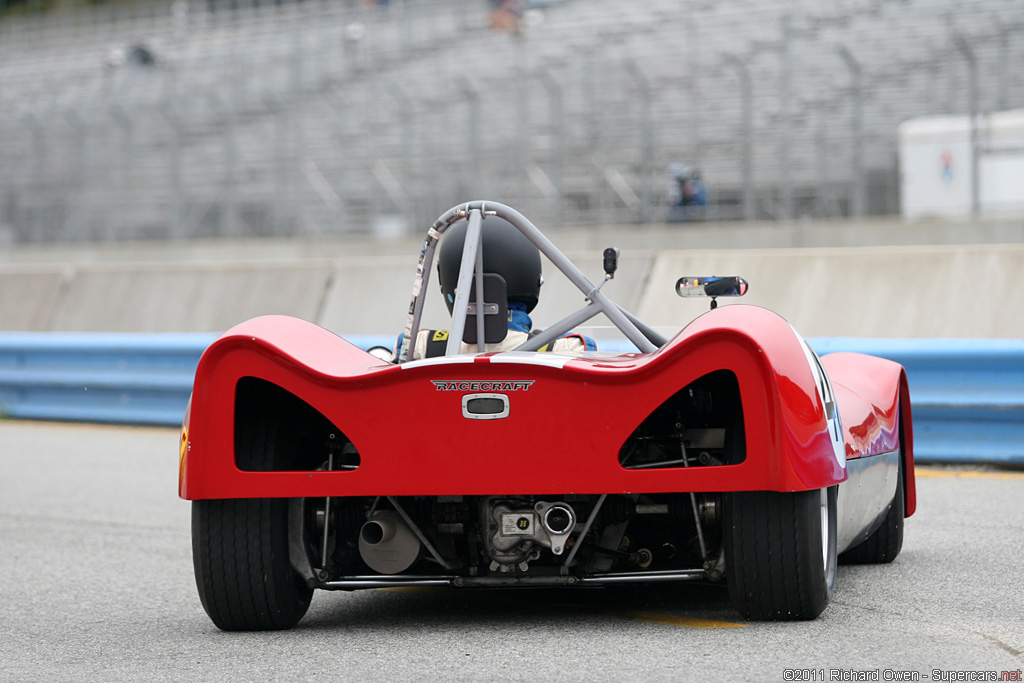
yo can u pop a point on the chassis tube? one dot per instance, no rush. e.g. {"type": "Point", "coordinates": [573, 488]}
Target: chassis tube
{"type": "Point", "coordinates": [349, 583]}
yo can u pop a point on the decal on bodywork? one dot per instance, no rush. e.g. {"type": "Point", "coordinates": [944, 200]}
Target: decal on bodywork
{"type": "Point", "coordinates": [485, 385]}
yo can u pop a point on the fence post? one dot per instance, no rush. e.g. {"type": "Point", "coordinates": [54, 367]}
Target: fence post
{"type": "Point", "coordinates": [167, 110]}
{"type": "Point", "coordinates": [77, 208]}
{"type": "Point", "coordinates": [643, 84]}
{"type": "Point", "coordinates": [746, 87]}
{"type": "Point", "coordinates": [341, 121]}
{"type": "Point", "coordinates": [407, 142]}
{"type": "Point", "coordinates": [522, 134]}
{"type": "Point", "coordinates": [1004, 52]}
{"type": "Point", "coordinates": [693, 66]}
{"type": "Point", "coordinates": [296, 126]}
{"type": "Point", "coordinates": [556, 124]}
{"type": "Point", "coordinates": [121, 117]}
{"type": "Point", "coordinates": [38, 149]}
{"type": "Point", "coordinates": [859, 195]}
{"type": "Point", "coordinates": [280, 217]}
{"type": "Point", "coordinates": [821, 160]}
{"type": "Point", "coordinates": [228, 218]}
{"type": "Point", "coordinates": [785, 76]}
{"type": "Point", "coordinates": [593, 135]}
{"type": "Point", "coordinates": [474, 140]}
{"type": "Point", "coordinates": [22, 228]}
{"type": "Point", "coordinates": [972, 73]}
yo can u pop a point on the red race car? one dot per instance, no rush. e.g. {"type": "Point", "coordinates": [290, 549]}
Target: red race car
{"type": "Point", "coordinates": [496, 455]}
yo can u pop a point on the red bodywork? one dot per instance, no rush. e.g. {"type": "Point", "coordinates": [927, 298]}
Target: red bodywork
{"type": "Point", "coordinates": [874, 403]}
{"type": "Point", "coordinates": [564, 431]}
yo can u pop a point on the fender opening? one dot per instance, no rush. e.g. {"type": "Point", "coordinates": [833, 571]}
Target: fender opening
{"type": "Point", "coordinates": [701, 425]}
{"type": "Point", "coordinates": [298, 436]}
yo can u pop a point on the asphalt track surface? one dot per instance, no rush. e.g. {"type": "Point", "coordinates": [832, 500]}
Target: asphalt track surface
{"type": "Point", "coordinates": [96, 584]}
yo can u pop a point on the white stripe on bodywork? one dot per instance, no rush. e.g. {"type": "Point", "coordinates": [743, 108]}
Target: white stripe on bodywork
{"type": "Point", "coordinates": [438, 360]}
{"type": "Point", "coordinates": [548, 359]}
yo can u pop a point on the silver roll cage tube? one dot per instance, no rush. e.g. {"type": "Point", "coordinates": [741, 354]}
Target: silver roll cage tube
{"type": "Point", "coordinates": [645, 338]}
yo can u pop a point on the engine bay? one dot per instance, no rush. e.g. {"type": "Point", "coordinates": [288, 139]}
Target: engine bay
{"type": "Point", "coordinates": [481, 541]}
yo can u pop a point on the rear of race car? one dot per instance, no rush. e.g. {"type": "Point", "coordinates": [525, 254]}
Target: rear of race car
{"type": "Point", "coordinates": [312, 464]}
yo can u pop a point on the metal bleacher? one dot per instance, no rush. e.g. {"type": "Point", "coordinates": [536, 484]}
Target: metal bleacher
{"type": "Point", "coordinates": [319, 117]}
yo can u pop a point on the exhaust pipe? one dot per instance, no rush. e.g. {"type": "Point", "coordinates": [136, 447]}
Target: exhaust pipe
{"type": "Point", "coordinates": [387, 544]}
{"type": "Point", "coordinates": [559, 519]}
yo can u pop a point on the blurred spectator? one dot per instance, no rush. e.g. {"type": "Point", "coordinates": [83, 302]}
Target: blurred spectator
{"type": "Point", "coordinates": [136, 56]}
{"type": "Point", "coordinates": [506, 15]}
{"type": "Point", "coordinates": [140, 56]}
{"type": "Point", "coordinates": [687, 195]}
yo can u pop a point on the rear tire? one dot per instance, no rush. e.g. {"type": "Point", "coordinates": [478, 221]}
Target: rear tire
{"type": "Point", "coordinates": [240, 547]}
{"type": "Point", "coordinates": [243, 573]}
{"type": "Point", "coordinates": [780, 553]}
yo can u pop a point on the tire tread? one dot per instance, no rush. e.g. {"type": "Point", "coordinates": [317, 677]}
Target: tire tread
{"type": "Point", "coordinates": [771, 559]}
{"type": "Point", "coordinates": [240, 554]}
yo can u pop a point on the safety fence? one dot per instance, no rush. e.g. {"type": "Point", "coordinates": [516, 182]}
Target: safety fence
{"type": "Point", "coordinates": [259, 117]}
{"type": "Point", "coordinates": [967, 396]}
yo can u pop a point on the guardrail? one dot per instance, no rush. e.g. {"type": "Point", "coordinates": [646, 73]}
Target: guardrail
{"type": "Point", "coordinates": [967, 395]}
{"type": "Point", "coordinates": [118, 378]}
{"type": "Point", "coordinates": [142, 379]}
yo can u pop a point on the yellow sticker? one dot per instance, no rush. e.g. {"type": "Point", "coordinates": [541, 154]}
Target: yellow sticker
{"type": "Point", "coordinates": [440, 335]}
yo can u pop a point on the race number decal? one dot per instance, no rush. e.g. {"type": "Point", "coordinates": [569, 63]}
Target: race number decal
{"type": "Point", "coordinates": [828, 401]}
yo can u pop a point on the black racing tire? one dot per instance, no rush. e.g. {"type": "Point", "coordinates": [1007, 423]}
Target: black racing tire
{"type": "Point", "coordinates": [240, 547]}
{"type": "Point", "coordinates": [245, 578]}
{"type": "Point", "coordinates": [780, 553]}
{"type": "Point", "coordinates": [885, 543]}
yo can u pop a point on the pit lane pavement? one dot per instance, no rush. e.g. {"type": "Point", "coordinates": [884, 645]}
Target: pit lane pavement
{"type": "Point", "coordinates": [96, 584]}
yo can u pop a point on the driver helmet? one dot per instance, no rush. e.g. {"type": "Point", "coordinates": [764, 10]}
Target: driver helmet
{"type": "Point", "coordinates": [507, 252]}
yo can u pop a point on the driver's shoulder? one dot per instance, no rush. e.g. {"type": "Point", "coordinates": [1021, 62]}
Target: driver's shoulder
{"type": "Point", "coordinates": [432, 343]}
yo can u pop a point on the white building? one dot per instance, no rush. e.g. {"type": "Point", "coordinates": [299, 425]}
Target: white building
{"type": "Point", "coordinates": [936, 165]}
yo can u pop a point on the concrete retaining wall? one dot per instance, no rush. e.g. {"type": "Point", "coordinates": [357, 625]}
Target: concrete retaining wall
{"type": "Point", "coordinates": [949, 291]}
{"type": "Point", "coordinates": [185, 297]}
{"type": "Point", "coordinates": [367, 294]}
{"type": "Point", "coordinates": [28, 296]}
{"type": "Point", "coordinates": [362, 287]}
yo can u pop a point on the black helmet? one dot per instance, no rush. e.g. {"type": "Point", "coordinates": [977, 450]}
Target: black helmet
{"type": "Point", "coordinates": [507, 252]}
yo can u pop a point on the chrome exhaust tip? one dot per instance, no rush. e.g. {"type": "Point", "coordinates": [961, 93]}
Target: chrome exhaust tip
{"type": "Point", "coordinates": [559, 519]}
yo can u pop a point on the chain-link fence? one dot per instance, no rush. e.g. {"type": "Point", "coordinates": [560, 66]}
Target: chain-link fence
{"type": "Point", "coordinates": [191, 119]}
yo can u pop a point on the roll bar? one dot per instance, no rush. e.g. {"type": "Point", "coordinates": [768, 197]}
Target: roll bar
{"type": "Point", "coordinates": [471, 268]}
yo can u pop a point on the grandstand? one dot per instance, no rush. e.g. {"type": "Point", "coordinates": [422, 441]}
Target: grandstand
{"type": "Point", "coordinates": [324, 118]}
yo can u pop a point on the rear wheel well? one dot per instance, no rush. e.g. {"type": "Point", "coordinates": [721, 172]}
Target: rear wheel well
{"type": "Point", "coordinates": [304, 437]}
{"type": "Point", "coordinates": [703, 420]}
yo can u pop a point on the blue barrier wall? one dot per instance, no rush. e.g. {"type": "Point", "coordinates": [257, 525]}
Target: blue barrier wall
{"type": "Point", "coordinates": [967, 395]}
{"type": "Point", "coordinates": [140, 379]}
{"type": "Point", "coordinates": [119, 378]}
